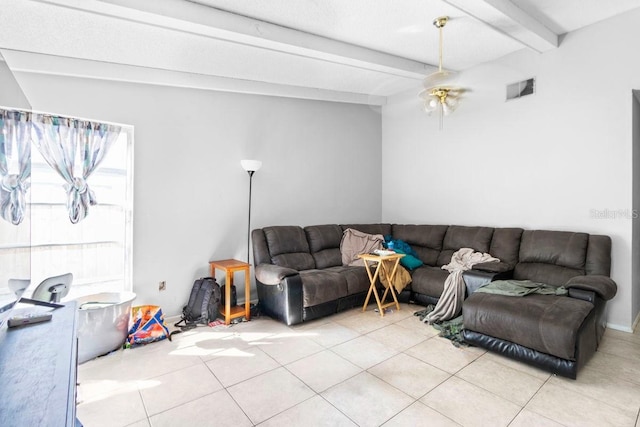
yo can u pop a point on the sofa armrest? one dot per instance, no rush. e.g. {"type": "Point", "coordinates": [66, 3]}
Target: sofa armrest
{"type": "Point", "coordinates": [603, 286]}
{"type": "Point", "coordinates": [270, 274]}
{"type": "Point", "coordinates": [474, 279]}
{"type": "Point", "coordinates": [588, 296]}
{"type": "Point", "coordinates": [493, 267]}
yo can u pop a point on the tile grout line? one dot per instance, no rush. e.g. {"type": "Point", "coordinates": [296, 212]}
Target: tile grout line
{"type": "Point", "coordinates": [144, 405]}
{"type": "Point", "coordinates": [546, 382]}
{"type": "Point", "coordinates": [530, 399]}
{"type": "Point", "coordinates": [362, 370]}
{"type": "Point", "coordinates": [225, 388]}
{"type": "Point", "coordinates": [579, 391]}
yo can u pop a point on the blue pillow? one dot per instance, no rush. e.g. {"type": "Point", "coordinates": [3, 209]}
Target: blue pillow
{"type": "Point", "coordinates": [410, 262]}
{"type": "Point", "coordinates": [400, 246]}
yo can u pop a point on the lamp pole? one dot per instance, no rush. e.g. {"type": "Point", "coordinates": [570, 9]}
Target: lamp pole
{"type": "Point", "coordinates": [251, 166]}
{"type": "Point", "coordinates": [249, 219]}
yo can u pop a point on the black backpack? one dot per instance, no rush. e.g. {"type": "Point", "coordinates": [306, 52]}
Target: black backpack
{"type": "Point", "coordinates": [203, 304]}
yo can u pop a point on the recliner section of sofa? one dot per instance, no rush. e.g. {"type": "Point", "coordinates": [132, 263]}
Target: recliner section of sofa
{"type": "Point", "coordinates": [558, 334]}
{"type": "Point", "coordinates": [321, 285]}
{"type": "Point", "coordinates": [300, 277]}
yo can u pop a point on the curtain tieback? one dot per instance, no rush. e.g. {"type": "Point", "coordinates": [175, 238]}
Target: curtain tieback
{"type": "Point", "coordinates": [79, 198]}
{"type": "Point", "coordinates": [79, 185]}
{"type": "Point", "coordinates": [12, 198]}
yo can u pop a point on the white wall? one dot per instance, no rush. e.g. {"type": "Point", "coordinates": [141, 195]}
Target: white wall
{"type": "Point", "coordinates": [10, 93]}
{"type": "Point", "coordinates": [635, 250]}
{"type": "Point", "coordinates": [545, 161]}
{"type": "Point", "coordinates": [15, 264]}
{"type": "Point", "coordinates": [191, 194]}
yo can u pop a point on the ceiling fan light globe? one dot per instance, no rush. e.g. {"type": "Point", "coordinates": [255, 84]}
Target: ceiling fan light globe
{"type": "Point", "coordinates": [427, 110]}
{"type": "Point", "coordinates": [451, 103]}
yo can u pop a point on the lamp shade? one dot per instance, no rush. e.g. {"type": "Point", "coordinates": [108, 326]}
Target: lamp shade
{"type": "Point", "coordinates": [251, 165]}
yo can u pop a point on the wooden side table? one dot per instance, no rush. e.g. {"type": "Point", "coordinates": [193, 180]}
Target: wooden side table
{"type": "Point", "coordinates": [230, 267]}
{"type": "Point", "coordinates": [387, 265]}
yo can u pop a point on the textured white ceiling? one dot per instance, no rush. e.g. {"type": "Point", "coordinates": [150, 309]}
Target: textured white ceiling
{"type": "Point", "coordinates": [345, 50]}
{"type": "Point", "coordinates": [404, 27]}
{"type": "Point", "coordinates": [400, 27]}
{"type": "Point", "coordinates": [564, 16]}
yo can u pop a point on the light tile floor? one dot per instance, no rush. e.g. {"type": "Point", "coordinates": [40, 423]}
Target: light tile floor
{"type": "Point", "coordinates": [350, 369]}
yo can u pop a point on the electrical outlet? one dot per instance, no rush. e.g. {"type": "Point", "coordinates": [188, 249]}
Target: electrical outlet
{"type": "Point", "coordinates": [162, 286]}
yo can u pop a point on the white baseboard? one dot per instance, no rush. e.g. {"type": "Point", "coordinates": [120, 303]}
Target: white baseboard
{"type": "Point", "coordinates": [170, 320]}
{"type": "Point", "coordinates": [626, 328]}
{"type": "Point", "coordinates": [635, 322]}
{"type": "Point", "coordinates": [620, 327]}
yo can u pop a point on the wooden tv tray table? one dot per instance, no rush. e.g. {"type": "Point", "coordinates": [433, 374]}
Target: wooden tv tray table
{"type": "Point", "coordinates": [387, 265]}
{"type": "Point", "coordinates": [230, 267]}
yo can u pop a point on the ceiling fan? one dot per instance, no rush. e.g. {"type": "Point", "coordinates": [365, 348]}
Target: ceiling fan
{"type": "Point", "coordinates": [436, 95]}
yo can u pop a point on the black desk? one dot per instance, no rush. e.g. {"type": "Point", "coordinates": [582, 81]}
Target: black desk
{"type": "Point", "coordinates": [38, 369]}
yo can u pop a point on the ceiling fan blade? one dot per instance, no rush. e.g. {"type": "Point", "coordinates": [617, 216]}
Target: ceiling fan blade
{"type": "Point", "coordinates": [455, 90]}
{"type": "Point", "coordinates": [438, 78]}
{"type": "Point", "coordinates": [425, 94]}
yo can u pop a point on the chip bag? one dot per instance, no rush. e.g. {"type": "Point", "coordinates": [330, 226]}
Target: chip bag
{"type": "Point", "coordinates": [147, 325]}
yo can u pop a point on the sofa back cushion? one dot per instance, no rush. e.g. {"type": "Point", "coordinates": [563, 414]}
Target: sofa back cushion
{"type": "Point", "coordinates": [505, 245]}
{"type": "Point", "coordinates": [324, 244]}
{"type": "Point", "coordinates": [288, 247]}
{"type": "Point", "coordinates": [261, 253]}
{"type": "Point", "coordinates": [551, 257]}
{"type": "Point", "coordinates": [426, 240]}
{"type": "Point", "coordinates": [383, 229]}
{"type": "Point", "coordinates": [457, 236]}
{"type": "Point", "coordinates": [599, 255]}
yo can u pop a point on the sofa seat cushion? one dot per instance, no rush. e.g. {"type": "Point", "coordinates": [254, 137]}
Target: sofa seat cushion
{"type": "Point", "coordinates": [319, 286]}
{"type": "Point", "coordinates": [356, 277]}
{"type": "Point", "coordinates": [546, 323]}
{"type": "Point", "coordinates": [429, 281]}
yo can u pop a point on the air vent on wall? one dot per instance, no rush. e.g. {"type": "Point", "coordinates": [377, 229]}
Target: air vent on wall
{"type": "Point", "coordinates": [520, 89]}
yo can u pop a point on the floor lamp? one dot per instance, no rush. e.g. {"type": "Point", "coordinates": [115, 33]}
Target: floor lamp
{"type": "Point", "coordinates": [250, 166]}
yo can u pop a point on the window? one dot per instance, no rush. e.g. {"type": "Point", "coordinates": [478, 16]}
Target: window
{"type": "Point", "coordinates": [98, 249]}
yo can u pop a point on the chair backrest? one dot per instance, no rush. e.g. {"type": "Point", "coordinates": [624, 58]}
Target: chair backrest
{"type": "Point", "coordinates": [54, 288]}
{"type": "Point", "coordinates": [17, 286]}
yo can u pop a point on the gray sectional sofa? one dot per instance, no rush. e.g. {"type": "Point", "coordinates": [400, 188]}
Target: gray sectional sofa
{"type": "Point", "coordinates": [300, 277]}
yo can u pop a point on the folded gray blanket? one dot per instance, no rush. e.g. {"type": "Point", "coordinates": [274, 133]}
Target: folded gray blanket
{"type": "Point", "coordinates": [521, 288]}
{"type": "Point", "coordinates": [450, 303]}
